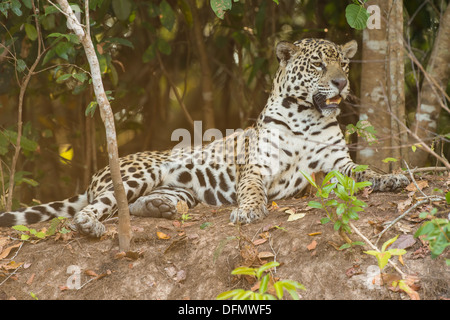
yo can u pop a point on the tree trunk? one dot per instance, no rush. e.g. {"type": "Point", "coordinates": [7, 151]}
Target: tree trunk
{"type": "Point", "coordinates": [206, 78]}
{"type": "Point", "coordinates": [431, 98]}
{"type": "Point", "coordinates": [382, 86]}
{"type": "Point", "coordinates": [108, 120]}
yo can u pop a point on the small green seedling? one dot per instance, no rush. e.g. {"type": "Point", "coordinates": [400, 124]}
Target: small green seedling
{"type": "Point", "coordinates": [384, 256]}
{"type": "Point", "coordinates": [241, 294]}
{"type": "Point", "coordinates": [346, 207]}
{"type": "Point", "coordinates": [56, 225]}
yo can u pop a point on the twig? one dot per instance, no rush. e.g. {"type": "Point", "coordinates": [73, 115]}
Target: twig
{"type": "Point", "coordinates": [429, 199]}
{"type": "Point", "coordinates": [376, 249]}
{"type": "Point", "coordinates": [412, 178]}
{"type": "Point", "coordinates": [428, 169]}
{"type": "Point", "coordinates": [9, 276]}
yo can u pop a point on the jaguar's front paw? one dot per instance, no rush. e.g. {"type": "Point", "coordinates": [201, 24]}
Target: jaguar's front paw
{"type": "Point", "coordinates": [392, 182]}
{"type": "Point", "coordinates": [87, 223]}
{"type": "Point", "coordinates": [248, 215]}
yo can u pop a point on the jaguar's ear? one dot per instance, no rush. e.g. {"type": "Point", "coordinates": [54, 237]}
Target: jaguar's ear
{"type": "Point", "coordinates": [285, 50]}
{"type": "Point", "coordinates": [349, 49]}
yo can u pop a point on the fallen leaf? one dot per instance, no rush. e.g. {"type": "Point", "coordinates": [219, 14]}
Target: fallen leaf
{"type": "Point", "coordinates": [314, 234]}
{"type": "Point", "coordinates": [176, 224]}
{"type": "Point", "coordinates": [120, 255]}
{"type": "Point", "coordinates": [404, 241]}
{"type": "Point", "coordinates": [265, 255]}
{"type": "Point", "coordinates": [30, 279]}
{"type": "Point", "coordinates": [182, 207]}
{"type": "Point", "coordinates": [402, 205]}
{"type": "Point", "coordinates": [296, 216]}
{"type": "Point", "coordinates": [422, 184]}
{"type": "Point", "coordinates": [257, 242]}
{"type": "Point", "coordinates": [162, 235]}
{"type": "Point", "coordinates": [312, 245]}
{"type": "Point", "coordinates": [91, 273]}
{"type": "Point", "coordinates": [6, 252]}
{"type": "Point", "coordinates": [274, 206]}
{"type": "Point", "coordinates": [355, 270]}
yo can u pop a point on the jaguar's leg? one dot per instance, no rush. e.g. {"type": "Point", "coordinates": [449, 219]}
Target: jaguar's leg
{"type": "Point", "coordinates": [161, 202]}
{"type": "Point", "coordinates": [380, 182]}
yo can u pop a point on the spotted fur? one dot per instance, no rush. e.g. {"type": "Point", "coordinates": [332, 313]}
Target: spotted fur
{"type": "Point", "coordinates": [297, 130]}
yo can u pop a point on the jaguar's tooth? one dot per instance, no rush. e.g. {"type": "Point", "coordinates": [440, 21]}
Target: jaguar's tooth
{"type": "Point", "coordinates": [328, 101]}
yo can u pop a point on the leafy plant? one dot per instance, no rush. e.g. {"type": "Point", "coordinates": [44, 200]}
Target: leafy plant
{"type": "Point", "coordinates": [279, 286]}
{"type": "Point", "coordinates": [384, 256]}
{"type": "Point", "coordinates": [363, 129]}
{"type": "Point", "coordinates": [56, 225]}
{"type": "Point", "coordinates": [436, 232]}
{"type": "Point", "coordinates": [346, 207]}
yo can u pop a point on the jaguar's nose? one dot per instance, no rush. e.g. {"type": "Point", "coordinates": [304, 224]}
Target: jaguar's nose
{"type": "Point", "coordinates": [339, 83]}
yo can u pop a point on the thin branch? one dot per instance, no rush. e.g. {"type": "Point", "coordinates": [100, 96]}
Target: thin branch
{"type": "Point", "coordinates": [406, 212]}
{"type": "Point", "coordinates": [412, 178]}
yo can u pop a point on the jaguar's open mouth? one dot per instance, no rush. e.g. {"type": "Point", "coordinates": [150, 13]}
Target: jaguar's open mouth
{"type": "Point", "coordinates": [321, 102]}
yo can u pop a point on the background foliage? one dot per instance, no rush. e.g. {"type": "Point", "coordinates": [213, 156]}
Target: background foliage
{"type": "Point", "coordinates": [154, 54]}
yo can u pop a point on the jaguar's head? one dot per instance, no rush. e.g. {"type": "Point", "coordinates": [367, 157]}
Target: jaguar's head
{"type": "Point", "coordinates": [315, 71]}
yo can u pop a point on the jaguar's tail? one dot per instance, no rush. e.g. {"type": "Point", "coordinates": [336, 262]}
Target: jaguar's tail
{"type": "Point", "coordinates": [25, 216]}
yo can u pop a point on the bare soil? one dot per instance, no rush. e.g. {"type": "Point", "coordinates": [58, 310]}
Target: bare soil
{"type": "Point", "coordinates": [194, 259]}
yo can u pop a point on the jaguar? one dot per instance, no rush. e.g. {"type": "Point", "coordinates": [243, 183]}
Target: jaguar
{"type": "Point", "coordinates": [296, 131]}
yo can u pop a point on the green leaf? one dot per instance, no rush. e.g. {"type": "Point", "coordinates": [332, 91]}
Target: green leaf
{"type": "Point", "coordinates": [24, 237]}
{"type": "Point", "coordinates": [149, 53]}
{"type": "Point", "coordinates": [264, 283]}
{"type": "Point", "coordinates": [397, 252]}
{"type": "Point", "coordinates": [220, 6]}
{"type": "Point", "coordinates": [15, 7]}
{"type": "Point", "coordinates": [90, 109]}
{"type": "Point", "coordinates": [324, 220]}
{"type": "Point", "coordinates": [21, 65]}
{"type": "Point", "coordinates": [122, 8]}
{"type": "Point", "coordinates": [356, 16]}
{"type": "Point", "coordinates": [309, 178]}
{"type": "Point", "coordinates": [167, 15]}
{"type": "Point", "coordinates": [267, 266]}
{"type": "Point", "coordinates": [63, 77]}
{"type": "Point", "coordinates": [447, 197]}
{"type": "Point", "coordinates": [31, 32]}
{"type": "Point", "coordinates": [244, 270]}
{"type": "Point", "coordinates": [388, 243]}
{"type": "Point", "coordinates": [164, 47]}
{"type": "Point", "coordinates": [360, 168]}
{"type": "Point", "coordinates": [82, 77]}
{"type": "Point", "coordinates": [21, 228]}
{"type": "Point", "coordinates": [315, 204]}
{"type": "Point", "coordinates": [388, 159]}
{"type": "Point", "coordinates": [345, 246]}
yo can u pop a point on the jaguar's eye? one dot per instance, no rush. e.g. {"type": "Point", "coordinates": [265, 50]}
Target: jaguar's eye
{"type": "Point", "coordinates": [343, 65]}
{"type": "Point", "coordinates": [317, 64]}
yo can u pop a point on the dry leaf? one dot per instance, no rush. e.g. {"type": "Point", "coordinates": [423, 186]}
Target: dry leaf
{"type": "Point", "coordinates": [296, 216]}
{"type": "Point", "coordinates": [404, 241]}
{"type": "Point", "coordinates": [6, 252]}
{"type": "Point", "coordinates": [257, 242]}
{"type": "Point", "coordinates": [30, 279]}
{"type": "Point", "coordinates": [402, 205]}
{"type": "Point", "coordinates": [162, 235]}
{"type": "Point", "coordinates": [182, 207]}
{"type": "Point", "coordinates": [91, 273]}
{"type": "Point", "coordinates": [314, 233]}
{"type": "Point", "coordinates": [312, 245]}
{"type": "Point", "coordinates": [422, 184]}
{"type": "Point", "coordinates": [265, 255]}
{"type": "Point", "coordinates": [274, 206]}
